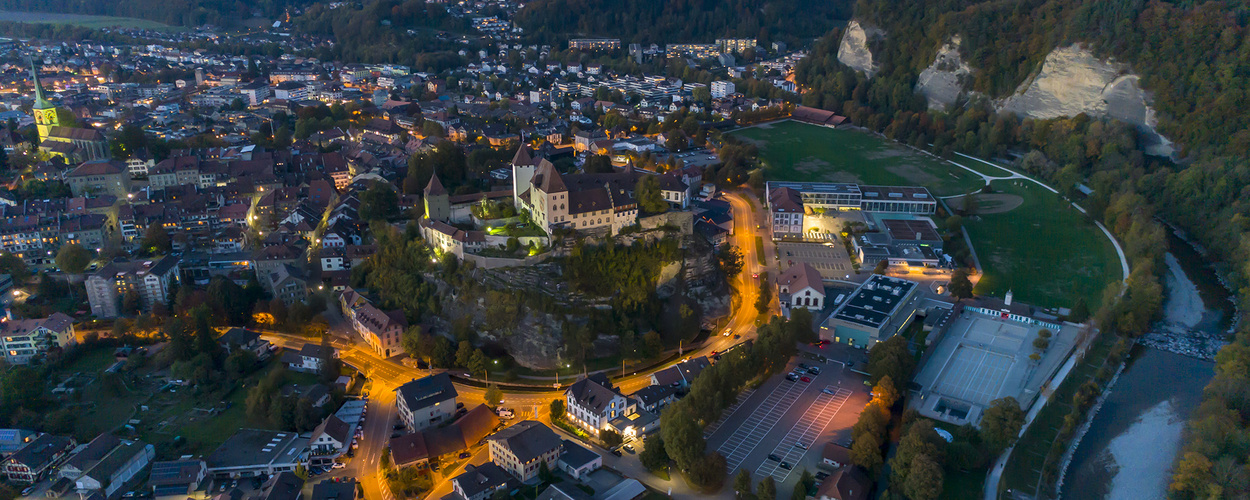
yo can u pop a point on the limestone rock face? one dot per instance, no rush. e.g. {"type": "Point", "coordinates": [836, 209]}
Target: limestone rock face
{"type": "Point", "coordinates": [853, 50]}
{"type": "Point", "coordinates": [942, 83]}
{"type": "Point", "coordinates": [1072, 81]}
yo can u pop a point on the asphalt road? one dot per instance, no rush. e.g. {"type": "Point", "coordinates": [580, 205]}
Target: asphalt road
{"type": "Point", "coordinates": [387, 374]}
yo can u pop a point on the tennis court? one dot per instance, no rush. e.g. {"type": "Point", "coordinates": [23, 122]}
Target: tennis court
{"type": "Point", "coordinates": [974, 374]}
{"type": "Point", "coordinates": [995, 335]}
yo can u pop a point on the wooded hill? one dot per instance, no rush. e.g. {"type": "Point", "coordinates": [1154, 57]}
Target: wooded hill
{"type": "Point", "coordinates": [678, 21]}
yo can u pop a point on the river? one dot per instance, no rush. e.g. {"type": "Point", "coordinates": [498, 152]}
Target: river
{"type": "Point", "coordinates": [1132, 441]}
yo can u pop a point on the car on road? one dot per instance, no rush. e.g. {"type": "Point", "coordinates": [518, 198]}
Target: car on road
{"type": "Point", "coordinates": [755, 275]}
{"type": "Point", "coordinates": [434, 467]}
{"type": "Point", "coordinates": [727, 332]}
{"type": "Point", "coordinates": [396, 434]}
{"type": "Point", "coordinates": [736, 337]}
{"type": "Point", "coordinates": [465, 455]}
{"type": "Point", "coordinates": [397, 426]}
{"type": "Point", "coordinates": [828, 391]}
{"type": "Point", "coordinates": [806, 379]}
{"type": "Point", "coordinates": [785, 465]}
{"type": "Point", "coordinates": [774, 457]}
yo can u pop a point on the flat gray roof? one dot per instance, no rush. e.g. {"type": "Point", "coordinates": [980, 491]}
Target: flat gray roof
{"type": "Point", "coordinates": [875, 301]}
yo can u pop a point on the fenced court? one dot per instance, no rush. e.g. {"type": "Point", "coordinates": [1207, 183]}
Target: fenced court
{"type": "Point", "coordinates": [974, 374]}
{"type": "Point", "coordinates": [995, 335]}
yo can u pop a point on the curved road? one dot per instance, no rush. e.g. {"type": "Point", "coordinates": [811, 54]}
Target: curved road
{"type": "Point", "coordinates": [386, 375]}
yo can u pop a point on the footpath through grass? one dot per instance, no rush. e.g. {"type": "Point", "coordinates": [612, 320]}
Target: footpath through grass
{"type": "Point", "coordinates": [1044, 251]}
{"type": "Point", "coordinates": [795, 151]}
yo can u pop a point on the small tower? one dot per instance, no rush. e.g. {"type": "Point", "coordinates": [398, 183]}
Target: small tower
{"type": "Point", "coordinates": [44, 110]}
{"type": "Point", "coordinates": [437, 202]}
{"type": "Point", "coordinates": [523, 167]}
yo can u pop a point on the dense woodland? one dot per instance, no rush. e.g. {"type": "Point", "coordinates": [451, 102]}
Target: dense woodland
{"type": "Point", "coordinates": [377, 31]}
{"type": "Point", "coordinates": [676, 21]}
{"type": "Point", "coordinates": [1192, 56]}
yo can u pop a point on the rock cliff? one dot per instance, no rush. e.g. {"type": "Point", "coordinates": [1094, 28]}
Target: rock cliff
{"type": "Point", "coordinates": [942, 83]}
{"type": "Point", "coordinates": [1072, 81]}
{"type": "Point", "coordinates": [854, 51]}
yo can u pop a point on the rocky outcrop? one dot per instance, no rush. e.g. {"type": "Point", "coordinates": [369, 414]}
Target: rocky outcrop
{"type": "Point", "coordinates": [942, 83]}
{"type": "Point", "coordinates": [853, 50]}
{"type": "Point", "coordinates": [1072, 81]}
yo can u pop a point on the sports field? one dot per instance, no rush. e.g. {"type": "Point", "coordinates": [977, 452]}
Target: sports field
{"type": "Point", "coordinates": [1043, 250]}
{"type": "Point", "coordinates": [794, 151]}
{"type": "Point", "coordinates": [86, 21]}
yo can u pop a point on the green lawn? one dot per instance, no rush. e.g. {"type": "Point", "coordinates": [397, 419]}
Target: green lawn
{"type": "Point", "coordinates": [86, 21]}
{"type": "Point", "coordinates": [990, 170]}
{"type": "Point", "coordinates": [759, 250]}
{"type": "Point", "coordinates": [794, 151]}
{"type": "Point", "coordinates": [1044, 251]}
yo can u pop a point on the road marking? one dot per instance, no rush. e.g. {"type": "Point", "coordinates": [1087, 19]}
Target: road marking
{"type": "Point", "coordinates": [809, 427]}
{"type": "Point", "coordinates": [744, 440]}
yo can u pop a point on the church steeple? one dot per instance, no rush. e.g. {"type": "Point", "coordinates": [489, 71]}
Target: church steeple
{"type": "Point", "coordinates": [44, 110]}
{"type": "Point", "coordinates": [41, 102]}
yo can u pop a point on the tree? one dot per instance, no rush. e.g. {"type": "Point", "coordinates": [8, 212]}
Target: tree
{"type": "Point", "coordinates": [1041, 343]}
{"type": "Point", "coordinates": [765, 299]}
{"type": "Point", "coordinates": [493, 396]}
{"type": "Point", "coordinates": [477, 362]}
{"type": "Point", "coordinates": [557, 410]}
{"type": "Point", "coordinates": [14, 266]}
{"type": "Point", "coordinates": [730, 261]}
{"type": "Point", "coordinates": [653, 455]}
{"type": "Point", "coordinates": [884, 392]}
{"type": "Point", "coordinates": [867, 454]}
{"type": "Point", "coordinates": [1001, 423]}
{"type": "Point", "coordinates": [652, 344]}
{"type": "Point", "coordinates": [924, 482]}
{"type": "Point", "coordinates": [648, 194]}
{"type": "Point", "coordinates": [701, 94]}
{"type": "Point", "coordinates": [882, 267]}
{"type": "Point", "coordinates": [156, 240]}
{"type": "Point", "coordinates": [73, 258]}
{"type": "Point", "coordinates": [767, 489]}
{"type": "Point", "coordinates": [1080, 311]}
{"type": "Point", "coordinates": [544, 472]}
{"type": "Point", "coordinates": [961, 286]}
{"type": "Point", "coordinates": [379, 202]}
{"type": "Point", "coordinates": [1193, 475]}
{"type": "Point", "coordinates": [463, 353]}
{"type": "Point", "coordinates": [683, 438]}
{"type": "Point", "coordinates": [742, 484]}
{"type": "Point", "coordinates": [806, 482]}
{"type": "Point", "coordinates": [891, 358]}
{"type": "Point", "coordinates": [610, 438]}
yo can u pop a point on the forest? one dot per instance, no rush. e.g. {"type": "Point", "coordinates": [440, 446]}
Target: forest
{"type": "Point", "coordinates": [677, 21]}
{"type": "Point", "coordinates": [1192, 56]}
{"type": "Point", "coordinates": [377, 31]}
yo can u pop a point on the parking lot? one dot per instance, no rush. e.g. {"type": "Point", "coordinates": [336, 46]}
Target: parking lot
{"type": "Point", "coordinates": [781, 415]}
{"type": "Point", "coordinates": [830, 259]}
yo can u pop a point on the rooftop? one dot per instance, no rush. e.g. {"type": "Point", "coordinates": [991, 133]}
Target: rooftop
{"type": "Point", "coordinates": [875, 301]}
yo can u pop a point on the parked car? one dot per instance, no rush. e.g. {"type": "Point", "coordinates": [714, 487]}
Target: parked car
{"type": "Point", "coordinates": [815, 370]}
{"type": "Point", "coordinates": [801, 446]}
{"type": "Point", "coordinates": [629, 448]}
{"type": "Point", "coordinates": [791, 377]}
{"type": "Point", "coordinates": [820, 476]}
{"type": "Point", "coordinates": [785, 465]}
{"type": "Point", "coordinates": [338, 465]}
{"type": "Point", "coordinates": [616, 452]}
{"type": "Point", "coordinates": [828, 391]}
{"type": "Point", "coordinates": [465, 454]}
{"type": "Point", "coordinates": [774, 457]}
{"type": "Point", "coordinates": [806, 379]}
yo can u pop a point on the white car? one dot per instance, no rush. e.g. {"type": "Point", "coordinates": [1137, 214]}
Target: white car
{"type": "Point", "coordinates": [338, 465]}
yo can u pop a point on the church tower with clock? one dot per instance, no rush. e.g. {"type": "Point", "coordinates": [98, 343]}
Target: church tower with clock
{"type": "Point", "coordinates": [44, 111]}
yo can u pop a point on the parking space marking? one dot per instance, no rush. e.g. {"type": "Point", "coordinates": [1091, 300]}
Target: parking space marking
{"type": "Point", "coordinates": [805, 431]}
{"type": "Point", "coordinates": [759, 424]}
{"type": "Point", "coordinates": [724, 415]}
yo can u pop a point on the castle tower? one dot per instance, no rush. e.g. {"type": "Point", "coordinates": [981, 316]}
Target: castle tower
{"type": "Point", "coordinates": [44, 111]}
{"type": "Point", "coordinates": [437, 201]}
{"type": "Point", "coordinates": [523, 167]}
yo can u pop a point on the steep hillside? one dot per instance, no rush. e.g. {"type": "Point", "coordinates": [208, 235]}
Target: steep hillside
{"type": "Point", "coordinates": [694, 21]}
